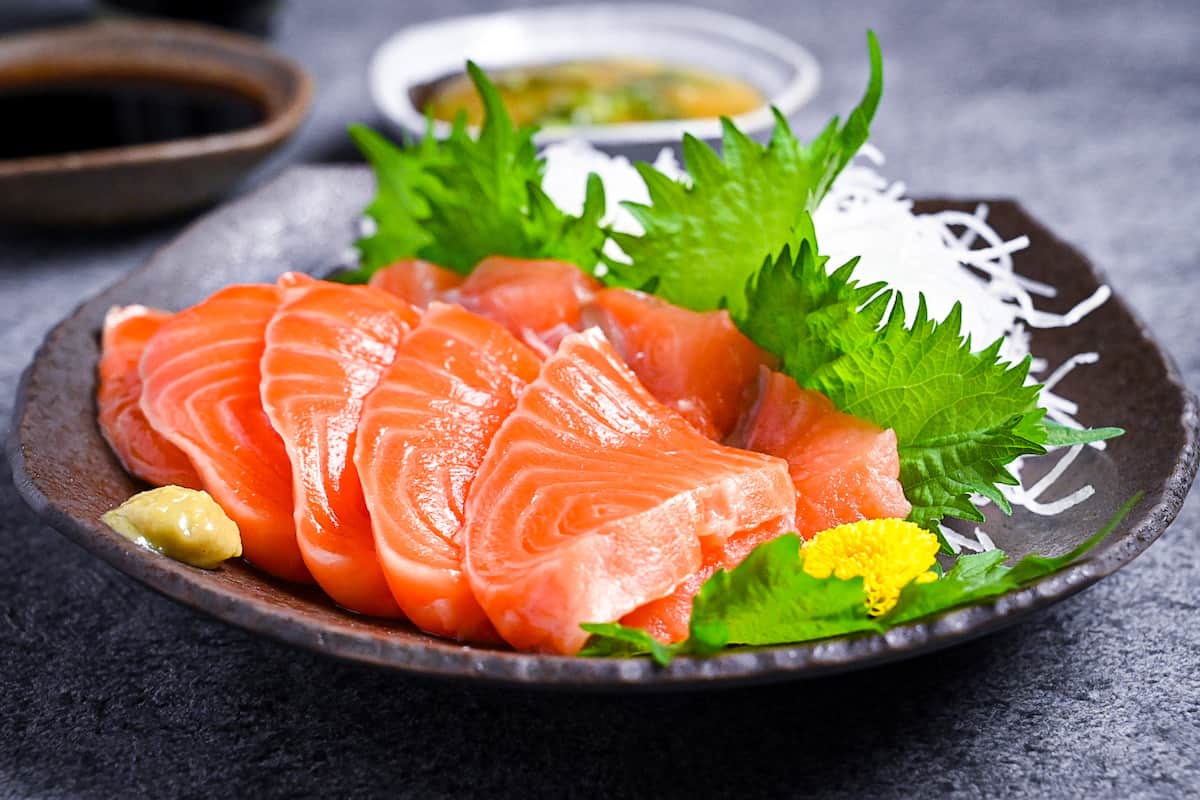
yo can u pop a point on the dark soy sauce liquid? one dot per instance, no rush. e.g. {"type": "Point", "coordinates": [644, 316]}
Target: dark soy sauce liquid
{"type": "Point", "coordinates": [51, 118]}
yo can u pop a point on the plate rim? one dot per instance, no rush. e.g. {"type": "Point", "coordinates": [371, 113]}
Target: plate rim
{"type": "Point", "coordinates": [447, 659]}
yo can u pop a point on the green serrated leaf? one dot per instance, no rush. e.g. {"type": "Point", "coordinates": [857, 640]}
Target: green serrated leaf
{"type": "Point", "coordinates": [613, 640]}
{"type": "Point", "coordinates": [1035, 566]}
{"type": "Point", "coordinates": [458, 201]}
{"type": "Point", "coordinates": [960, 417]}
{"type": "Point", "coordinates": [558, 235]}
{"type": "Point", "coordinates": [399, 205]}
{"type": "Point", "coordinates": [769, 598]}
{"type": "Point", "coordinates": [973, 577]}
{"type": "Point", "coordinates": [808, 317]}
{"type": "Point", "coordinates": [1057, 435]}
{"type": "Point", "coordinates": [481, 205]}
{"type": "Point", "coordinates": [703, 241]}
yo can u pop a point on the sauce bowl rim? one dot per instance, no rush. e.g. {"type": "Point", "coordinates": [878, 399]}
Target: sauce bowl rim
{"type": "Point", "coordinates": [44, 49]}
{"type": "Point", "coordinates": [392, 75]}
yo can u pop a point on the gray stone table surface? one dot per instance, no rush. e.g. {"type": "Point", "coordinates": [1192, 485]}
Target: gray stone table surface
{"type": "Point", "coordinates": [1089, 113]}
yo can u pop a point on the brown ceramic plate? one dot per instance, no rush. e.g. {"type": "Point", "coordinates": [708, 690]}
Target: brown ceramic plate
{"type": "Point", "coordinates": [304, 221]}
{"type": "Point", "coordinates": [139, 182]}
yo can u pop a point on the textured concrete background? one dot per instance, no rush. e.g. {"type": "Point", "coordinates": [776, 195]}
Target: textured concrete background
{"type": "Point", "coordinates": [1086, 112]}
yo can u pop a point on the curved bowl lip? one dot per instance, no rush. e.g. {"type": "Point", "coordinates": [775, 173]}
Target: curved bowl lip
{"type": "Point", "coordinates": [392, 94]}
{"type": "Point", "coordinates": [274, 129]}
{"type": "Point", "coordinates": [451, 660]}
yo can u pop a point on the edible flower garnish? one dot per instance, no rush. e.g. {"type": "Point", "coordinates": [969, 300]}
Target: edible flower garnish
{"type": "Point", "coordinates": [888, 554]}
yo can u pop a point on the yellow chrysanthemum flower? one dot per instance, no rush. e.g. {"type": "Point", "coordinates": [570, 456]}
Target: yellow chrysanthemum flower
{"type": "Point", "coordinates": [887, 554]}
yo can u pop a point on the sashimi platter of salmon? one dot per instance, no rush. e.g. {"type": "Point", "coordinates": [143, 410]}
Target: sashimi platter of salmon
{"type": "Point", "coordinates": [565, 404]}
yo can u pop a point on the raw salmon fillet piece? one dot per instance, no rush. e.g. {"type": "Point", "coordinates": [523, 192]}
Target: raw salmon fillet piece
{"type": "Point", "coordinates": [423, 433]}
{"type": "Point", "coordinates": [143, 452]}
{"type": "Point", "coordinates": [698, 363]}
{"type": "Point", "coordinates": [844, 468]}
{"type": "Point", "coordinates": [416, 282]}
{"type": "Point", "coordinates": [539, 301]}
{"type": "Point", "coordinates": [326, 348]}
{"type": "Point", "coordinates": [200, 376]}
{"type": "Point", "coordinates": [594, 499]}
{"type": "Point", "coordinates": [667, 619]}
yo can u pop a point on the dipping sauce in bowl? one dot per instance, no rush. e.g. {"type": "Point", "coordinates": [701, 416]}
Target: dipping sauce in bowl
{"type": "Point", "coordinates": [595, 92]}
{"type": "Point", "coordinates": [629, 78]}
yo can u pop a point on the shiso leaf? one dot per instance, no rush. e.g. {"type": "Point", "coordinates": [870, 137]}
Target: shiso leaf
{"type": "Point", "coordinates": [613, 640]}
{"type": "Point", "coordinates": [972, 577]}
{"type": "Point", "coordinates": [481, 205]}
{"type": "Point", "coordinates": [399, 207]}
{"type": "Point", "coordinates": [704, 240]}
{"type": "Point", "coordinates": [1062, 436]}
{"type": "Point", "coordinates": [457, 201]}
{"type": "Point", "coordinates": [805, 315]}
{"type": "Point", "coordinates": [559, 235]}
{"type": "Point", "coordinates": [769, 598]}
{"type": "Point", "coordinates": [960, 417]}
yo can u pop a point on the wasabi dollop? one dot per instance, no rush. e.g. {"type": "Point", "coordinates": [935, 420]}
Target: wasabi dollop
{"type": "Point", "coordinates": [184, 524]}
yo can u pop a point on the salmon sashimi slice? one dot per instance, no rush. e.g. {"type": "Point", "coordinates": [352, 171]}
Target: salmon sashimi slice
{"type": "Point", "coordinates": [845, 469]}
{"type": "Point", "coordinates": [143, 452]}
{"type": "Point", "coordinates": [416, 282]}
{"type": "Point", "coordinates": [698, 363]}
{"type": "Point", "coordinates": [539, 301]}
{"type": "Point", "coordinates": [423, 433]}
{"type": "Point", "coordinates": [668, 618]}
{"type": "Point", "coordinates": [594, 499]}
{"type": "Point", "coordinates": [326, 348]}
{"type": "Point", "coordinates": [200, 376]}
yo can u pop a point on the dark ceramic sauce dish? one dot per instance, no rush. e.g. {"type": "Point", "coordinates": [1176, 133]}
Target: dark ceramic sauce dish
{"type": "Point", "coordinates": [118, 122]}
{"type": "Point", "coordinates": [303, 221]}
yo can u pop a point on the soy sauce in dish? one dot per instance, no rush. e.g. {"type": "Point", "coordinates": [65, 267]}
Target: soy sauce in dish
{"type": "Point", "coordinates": [51, 118]}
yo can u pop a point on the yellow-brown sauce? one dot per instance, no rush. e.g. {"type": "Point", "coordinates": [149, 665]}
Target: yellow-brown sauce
{"type": "Point", "coordinates": [596, 92]}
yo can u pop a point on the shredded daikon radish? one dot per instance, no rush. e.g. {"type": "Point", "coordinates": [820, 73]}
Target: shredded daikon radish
{"type": "Point", "coordinates": [948, 256]}
{"type": "Point", "coordinates": [569, 162]}
{"type": "Point", "coordinates": [958, 542]}
{"type": "Point", "coordinates": [864, 215]}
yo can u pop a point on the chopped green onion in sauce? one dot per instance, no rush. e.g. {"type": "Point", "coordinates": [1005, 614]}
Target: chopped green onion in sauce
{"type": "Point", "coordinates": [597, 92]}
